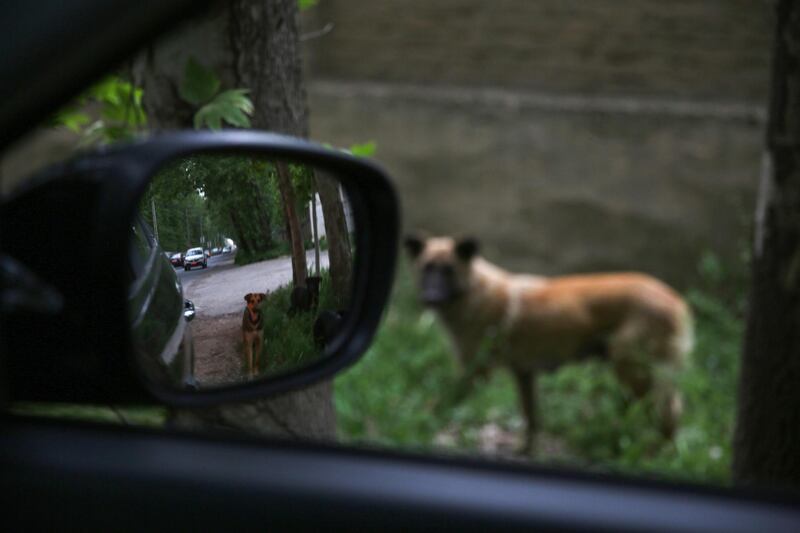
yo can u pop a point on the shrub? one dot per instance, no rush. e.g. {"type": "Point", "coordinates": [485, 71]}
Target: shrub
{"type": "Point", "coordinates": [291, 340]}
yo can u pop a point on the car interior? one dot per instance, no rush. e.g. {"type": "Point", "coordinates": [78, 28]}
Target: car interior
{"type": "Point", "coordinates": [129, 382]}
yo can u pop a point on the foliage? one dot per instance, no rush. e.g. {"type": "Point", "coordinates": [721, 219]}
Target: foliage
{"type": "Point", "coordinates": [199, 84]}
{"type": "Point", "coordinates": [200, 87]}
{"type": "Point", "coordinates": [245, 257]}
{"type": "Point", "coordinates": [291, 340]}
{"type": "Point", "coordinates": [366, 149]}
{"type": "Point", "coordinates": [306, 4]}
{"type": "Point", "coordinates": [397, 395]}
{"type": "Point", "coordinates": [224, 196]}
{"type": "Point", "coordinates": [232, 107]}
{"type": "Point", "coordinates": [109, 111]}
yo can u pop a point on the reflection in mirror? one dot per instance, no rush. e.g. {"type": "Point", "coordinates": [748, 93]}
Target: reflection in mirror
{"type": "Point", "coordinates": [262, 251]}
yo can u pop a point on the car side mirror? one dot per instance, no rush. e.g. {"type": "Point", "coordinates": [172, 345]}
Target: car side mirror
{"type": "Point", "coordinates": [305, 239]}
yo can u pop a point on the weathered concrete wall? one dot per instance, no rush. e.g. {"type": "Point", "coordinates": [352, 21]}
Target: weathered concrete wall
{"type": "Point", "coordinates": [711, 49]}
{"type": "Point", "coordinates": [555, 190]}
{"type": "Point", "coordinates": [567, 135]}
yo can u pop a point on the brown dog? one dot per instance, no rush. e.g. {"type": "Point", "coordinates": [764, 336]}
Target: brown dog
{"type": "Point", "coordinates": [533, 323]}
{"type": "Point", "coordinates": [253, 331]}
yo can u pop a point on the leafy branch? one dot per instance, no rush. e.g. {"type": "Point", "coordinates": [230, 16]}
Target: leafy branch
{"type": "Point", "coordinates": [200, 87]}
{"type": "Point", "coordinates": [109, 111]}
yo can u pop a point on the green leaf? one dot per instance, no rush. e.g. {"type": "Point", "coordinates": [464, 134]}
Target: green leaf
{"type": "Point", "coordinates": [306, 4]}
{"type": "Point", "coordinates": [231, 107]}
{"type": "Point", "coordinates": [366, 149]}
{"type": "Point", "coordinates": [108, 90]}
{"type": "Point", "coordinates": [71, 119]}
{"type": "Point", "coordinates": [199, 84]}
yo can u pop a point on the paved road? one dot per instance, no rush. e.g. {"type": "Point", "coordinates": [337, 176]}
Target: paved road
{"type": "Point", "coordinates": [220, 288]}
{"type": "Point", "coordinates": [215, 263]}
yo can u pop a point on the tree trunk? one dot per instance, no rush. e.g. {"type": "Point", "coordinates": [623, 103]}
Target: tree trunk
{"type": "Point", "coordinates": [263, 228]}
{"type": "Point", "coordinates": [340, 256]}
{"type": "Point", "coordinates": [253, 45]}
{"type": "Point", "coordinates": [315, 230]}
{"type": "Point", "coordinates": [767, 436]}
{"type": "Point", "coordinates": [299, 269]}
{"type": "Point", "coordinates": [241, 236]}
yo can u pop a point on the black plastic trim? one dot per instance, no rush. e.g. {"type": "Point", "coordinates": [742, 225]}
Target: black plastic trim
{"type": "Point", "coordinates": [135, 478]}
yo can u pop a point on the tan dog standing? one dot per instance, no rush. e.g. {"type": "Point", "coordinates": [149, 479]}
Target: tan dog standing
{"type": "Point", "coordinates": [253, 331]}
{"type": "Point", "coordinates": [534, 323]}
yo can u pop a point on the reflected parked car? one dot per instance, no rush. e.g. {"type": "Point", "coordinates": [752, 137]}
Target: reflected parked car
{"type": "Point", "coordinates": [194, 257]}
{"type": "Point", "coordinates": [176, 259]}
{"type": "Point", "coordinates": [158, 312]}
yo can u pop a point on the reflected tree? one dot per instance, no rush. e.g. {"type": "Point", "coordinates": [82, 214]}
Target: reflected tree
{"type": "Point", "coordinates": [339, 251]}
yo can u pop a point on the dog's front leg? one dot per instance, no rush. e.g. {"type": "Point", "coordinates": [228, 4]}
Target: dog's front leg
{"type": "Point", "coordinates": [526, 386]}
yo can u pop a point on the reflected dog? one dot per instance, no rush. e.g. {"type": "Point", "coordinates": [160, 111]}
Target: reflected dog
{"type": "Point", "coordinates": [253, 331]}
{"type": "Point", "coordinates": [534, 323]}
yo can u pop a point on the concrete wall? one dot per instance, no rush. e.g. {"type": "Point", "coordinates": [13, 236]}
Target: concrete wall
{"type": "Point", "coordinates": [567, 135]}
{"type": "Point", "coordinates": [711, 49]}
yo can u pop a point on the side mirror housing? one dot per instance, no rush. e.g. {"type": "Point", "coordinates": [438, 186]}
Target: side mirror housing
{"type": "Point", "coordinates": [106, 340]}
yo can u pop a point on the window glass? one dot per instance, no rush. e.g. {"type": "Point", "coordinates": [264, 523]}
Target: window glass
{"type": "Point", "coordinates": [577, 182]}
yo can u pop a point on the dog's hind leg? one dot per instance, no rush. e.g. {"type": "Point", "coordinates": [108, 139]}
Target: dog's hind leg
{"type": "Point", "coordinates": [641, 362]}
{"type": "Point", "coordinates": [526, 386]}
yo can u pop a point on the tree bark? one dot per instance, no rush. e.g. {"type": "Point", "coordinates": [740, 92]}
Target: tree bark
{"type": "Point", "coordinates": [767, 435]}
{"type": "Point", "coordinates": [299, 268]}
{"type": "Point", "coordinates": [254, 45]}
{"type": "Point", "coordinates": [241, 235]}
{"type": "Point", "coordinates": [340, 256]}
{"type": "Point", "coordinates": [264, 224]}
{"type": "Point", "coordinates": [315, 232]}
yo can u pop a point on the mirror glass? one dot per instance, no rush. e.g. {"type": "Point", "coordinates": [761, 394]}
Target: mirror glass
{"type": "Point", "coordinates": [241, 267]}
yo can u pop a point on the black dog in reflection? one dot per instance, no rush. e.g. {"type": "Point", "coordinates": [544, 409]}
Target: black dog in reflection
{"type": "Point", "coordinates": [327, 325]}
{"type": "Point", "coordinates": [304, 299]}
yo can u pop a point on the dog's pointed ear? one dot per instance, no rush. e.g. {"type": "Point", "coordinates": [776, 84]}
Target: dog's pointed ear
{"type": "Point", "coordinates": [414, 245]}
{"type": "Point", "coordinates": [263, 296]}
{"type": "Point", "coordinates": [247, 296]}
{"type": "Point", "coordinates": [467, 248]}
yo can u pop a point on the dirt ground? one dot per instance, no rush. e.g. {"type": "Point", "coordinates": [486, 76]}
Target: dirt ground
{"type": "Point", "coordinates": [218, 349]}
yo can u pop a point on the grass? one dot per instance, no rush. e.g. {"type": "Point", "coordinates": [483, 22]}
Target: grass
{"type": "Point", "coordinates": [244, 257]}
{"type": "Point", "coordinates": [291, 341]}
{"type": "Point", "coordinates": [282, 249]}
{"type": "Point", "coordinates": [398, 396]}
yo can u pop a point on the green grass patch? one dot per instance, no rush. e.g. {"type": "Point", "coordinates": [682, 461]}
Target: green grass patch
{"type": "Point", "coordinates": [282, 249]}
{"type": "Point", "coordinates": [291, 340]}
{"type": "Point", "coordinates": [244, 257]}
